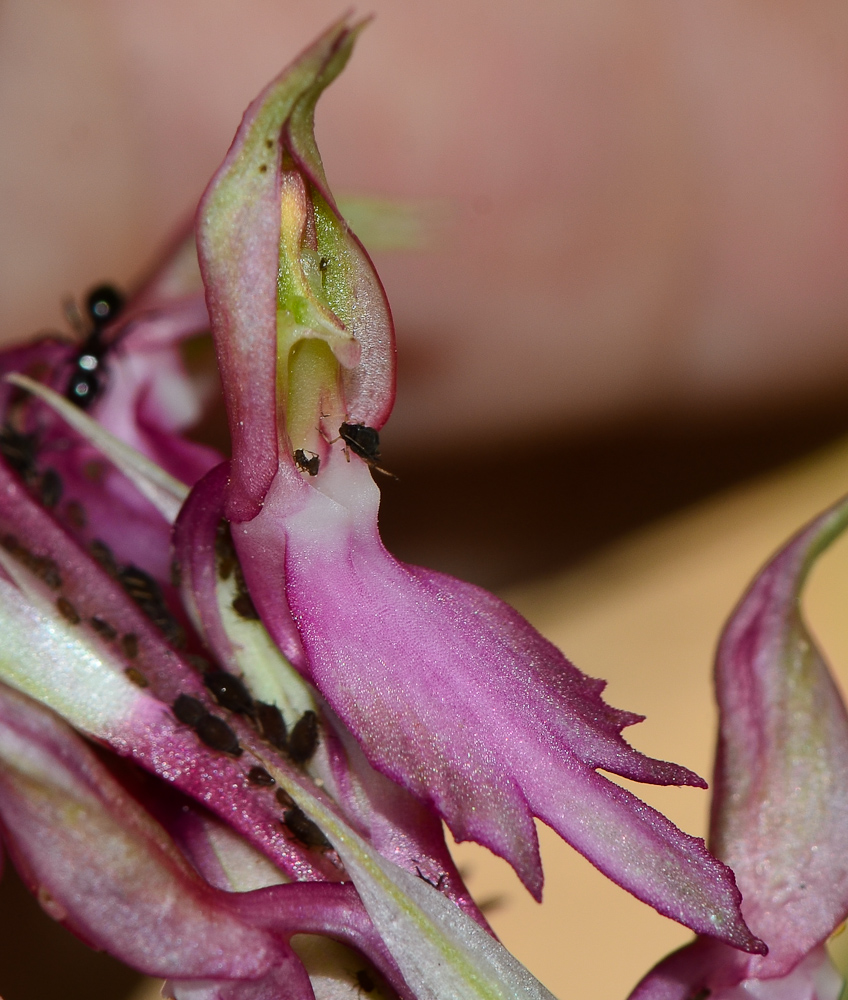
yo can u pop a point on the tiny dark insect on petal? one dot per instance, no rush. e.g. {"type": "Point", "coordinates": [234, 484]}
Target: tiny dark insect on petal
{"type": "Point", "coordinates": [225, 553]}
{"type": "Point", "coordinates": [75, 514]}
{"type": "Point", "coordinates": [303, 829]}
{"type": "Point", "coordinates": [102, 627]}
{"type": "Point", "coordinates": [272, 724]}
{"type": "Point", "coordinates": [244, 607]}
{"type": "Point", "coordinates": [303, 741]}
{"type": "Point", "coordinates": [230, 691]}
{"type": "Point", "coordinates": [283, 797]}
{"type": "Point", "coordinates": [129, 644]}
{"type": "Point", "coordinates": [139, 585]}
{"type": "Point", "coordinates": [103, 554]}
{"type": "Point", "coordinates": [50, 488]}
{"type": "Point", "coordinates": [137, 677]}
{"type": "Point", "coordinates": [363, 441]}
{"type": "Point", "coordinates": [307, 462]}
{"type": "Point", "coordinates": [365, 981]}
{"type": "Point", "coordinates": [68, 611]}
{"type": "Point", "coordinates": [259, 777]}
{"type": "Point", "coordinates": [189, 710]}
{"type": "Point", "coordinates": [215, 733]}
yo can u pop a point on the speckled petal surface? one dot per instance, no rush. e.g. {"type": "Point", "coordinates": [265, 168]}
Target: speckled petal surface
{"type": "Point", "coordinates": [453, 695]}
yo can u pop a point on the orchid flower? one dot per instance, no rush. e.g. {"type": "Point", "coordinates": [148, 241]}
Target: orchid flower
{"type": "Point", "coordinates": [780, 804]}
{"type": "Point", "coordinates": [448, 691]}
{"type": "Point", "coordinates": [227, 715]}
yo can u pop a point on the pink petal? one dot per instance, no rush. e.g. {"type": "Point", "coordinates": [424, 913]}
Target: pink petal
{"type": "Point", "coordinates": [397, 825]}
{"type": "Point", "coordinates": [780, 807]}
{"type": "Point", "coordinates": [453, 695]}
{"type": "Point", "coordinates": [99, 863]}
{"type": "Point", "coordinates": [239, 246]}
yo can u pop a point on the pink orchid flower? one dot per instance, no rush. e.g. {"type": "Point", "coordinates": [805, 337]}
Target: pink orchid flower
{"type": "Point", "coordinates": [780, 804]}
{"type": "Point", "coordinates": [448, 691]}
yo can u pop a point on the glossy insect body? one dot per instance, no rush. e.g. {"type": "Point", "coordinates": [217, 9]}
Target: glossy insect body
{"type": "Point", "coordinates": [102, 306]}
{"type": "Point", "coordinates": [363, 441]}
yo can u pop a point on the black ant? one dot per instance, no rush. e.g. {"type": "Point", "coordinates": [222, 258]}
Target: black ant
{"type": "Point", "coordinates": [102, 306]}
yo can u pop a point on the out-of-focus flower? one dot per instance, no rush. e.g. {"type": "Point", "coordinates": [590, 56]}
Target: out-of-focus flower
{"type": "Point", "coordinates": [449, 692]}
{"type": "Point", "coordinates": [780, 804]}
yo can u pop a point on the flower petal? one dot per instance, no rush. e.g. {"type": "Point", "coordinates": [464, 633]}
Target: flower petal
{"type": "Point", "coordinates": [52, 649]}
{"type": "Point", "coordinates": [273, 170]}
{"type": "Point", "coordinates": [100, 864]}
{"type": "Point", "coordinates": [453, 695]}
{"type": "Point", "coordinates": [398, 826]}
{"type": "Point", "coordinates": [780, 807]}
{"type": "Point", "coordinates": [708, 969]}
{"type": "Point", "coordinates": [166, 493]}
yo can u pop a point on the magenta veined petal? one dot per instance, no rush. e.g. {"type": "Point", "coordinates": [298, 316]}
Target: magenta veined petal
{"type": "Point", "coordinates": [453, 695]}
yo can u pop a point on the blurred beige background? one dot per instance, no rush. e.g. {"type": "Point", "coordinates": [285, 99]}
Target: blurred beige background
{"type": "Point", "coordinates": [635, 295]}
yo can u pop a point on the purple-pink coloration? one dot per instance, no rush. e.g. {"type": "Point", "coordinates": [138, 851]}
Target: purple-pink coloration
{"type": "Point", "coordinates": [780, 806]}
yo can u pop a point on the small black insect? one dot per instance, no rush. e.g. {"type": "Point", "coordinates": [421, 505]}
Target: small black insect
{"type": "Point", "coordinates": [102, 627]}
{"type": "Point", "coordinates": [215, 733]}
{"type": "Point", "coordinates": [189, 710]}
{"type": "Point", "coordinates": [259, 777]}
{"type": "Point", "coordinates": [230, 692]}
{"type": "Point", "coordinates": [20, 452]}
{"type": "Point", "coordinates": [137, 677]}
{"type": "Point", "coordinates": [50, 488]}
{"type": "Point", "coordinates": [303, 741]}
{"type": "Point", "coordinates": [272, 724]}
{"type": "Point", "coordinates": [102, 306]}
{"type": "Point", "coordinates": [46, 569]}
{"type": "Point", "coordinates": [307, 461]}
{"type": "Point", "coordinates": [147, 594]}
{"type": "Point", "coordinates": [139, 585]}
{"type": "Point", "coordinates": [68, 611]}
{"type": "Point", "coordinates": [104, 555]}
{"type": "Point", "coordinates": [365, 981]}
{"type": "Point", "coordinates": [225, 552]}
{"type": "Point", "coordinates": [303, 829]}
{"type": "Point", "coordinates": [283, 797]}
{"type": "Point", "coordinates": [244, 607]}
{"type": "Point", "coordinates": [363, 441]}
{"type": "Point", "coordinates": [129, 644]}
